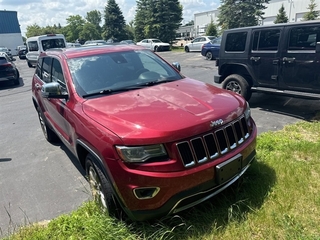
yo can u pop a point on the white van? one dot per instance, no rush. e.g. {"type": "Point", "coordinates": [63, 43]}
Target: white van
{"type": "Point", "coordinates": [38, 44]}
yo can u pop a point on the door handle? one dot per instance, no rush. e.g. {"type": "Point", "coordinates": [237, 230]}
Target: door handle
{"type": "Point", "coordinates": [256, 59]}
{"type": "Point", "coordinates": [288, 60]}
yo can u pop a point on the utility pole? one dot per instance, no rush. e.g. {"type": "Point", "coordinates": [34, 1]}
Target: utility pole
{"type": "Point", "coordinates": [290, 2]}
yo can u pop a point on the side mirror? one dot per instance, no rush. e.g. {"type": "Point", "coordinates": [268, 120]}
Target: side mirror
{"type": "Point", "coordinates": [53, 90]}
{"type": "Point", "coordinates": [318, 47]}
{"type": "Point", "coordinates": [177, 66]}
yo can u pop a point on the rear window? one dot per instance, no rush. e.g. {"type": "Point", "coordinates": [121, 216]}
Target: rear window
{"type": "Point", "coordinates": [3, 60]}
{"type": "Point", "coordinates": [53, 43]}
{"type": "Point", "coordinates": [236, 42]}
{"type": "Point", "coordinates": [33, 46]}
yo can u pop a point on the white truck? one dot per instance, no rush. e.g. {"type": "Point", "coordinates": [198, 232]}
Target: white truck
{"type": "Point", "coordinates": [36, 45]}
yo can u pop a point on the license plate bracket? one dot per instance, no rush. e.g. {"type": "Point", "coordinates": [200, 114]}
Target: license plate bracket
{"type": "Point", "coordinates": [228, 169]}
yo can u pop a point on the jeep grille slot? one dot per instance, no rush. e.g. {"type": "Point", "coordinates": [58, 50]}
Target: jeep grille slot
{"type": "Point", "coordinates": [213, 144]}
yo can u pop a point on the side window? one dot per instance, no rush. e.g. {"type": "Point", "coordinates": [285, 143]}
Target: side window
{"type": "Point", "coordinates": [46, 69]}
{"type": "Point", "coordinates": [33, 46]}
{"type": "Point", "coordinates": [38, 68]}
{"type": "Point", "coordinates": [57, 73]}
{"type": "Point", "coordinates": [304, 38]}
{"type": "Point", "coordinates": [266, 40]}
{"type": "Point", "coordinates": [236, 42]}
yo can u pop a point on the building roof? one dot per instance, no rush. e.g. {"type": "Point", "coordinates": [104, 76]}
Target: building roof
{"type": "Point", "coordinates": [9, 22]}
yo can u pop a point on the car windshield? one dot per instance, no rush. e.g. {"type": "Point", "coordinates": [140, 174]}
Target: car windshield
{"type": "Point", "coordinates": [2, 49]}
{"type": "Point", "coordinates": [119, 71]}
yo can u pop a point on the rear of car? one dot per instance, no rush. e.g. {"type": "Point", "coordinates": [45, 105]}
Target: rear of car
{"type": "Point", "coordinates": [211, 49]}
{"type": "Point", "coordinates": [39, 44]}
{"type": "Point", "coordinates": [8, 71]}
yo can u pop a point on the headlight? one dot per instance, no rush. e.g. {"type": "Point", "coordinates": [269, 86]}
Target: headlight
{"type": "Point", "coordinates": [247, 112]}
{"type": "Point", "coordinates": [141, 153]}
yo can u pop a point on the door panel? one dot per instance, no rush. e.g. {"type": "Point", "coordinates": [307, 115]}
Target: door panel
{"type": "Point", "coordinates": [300, 62]}
{"type": "Point", "coordinates": [264, 57]}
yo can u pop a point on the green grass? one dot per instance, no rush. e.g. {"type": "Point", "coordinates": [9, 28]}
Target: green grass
{"type": "Point", "coordinates": [278, 198]}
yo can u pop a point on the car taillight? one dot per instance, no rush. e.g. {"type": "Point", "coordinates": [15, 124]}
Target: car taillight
{"type": "Point", "coordinates": [7, 65]}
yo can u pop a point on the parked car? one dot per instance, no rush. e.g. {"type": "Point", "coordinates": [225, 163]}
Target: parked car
{"type": "Point", "coordinates": [154, 44]}
{"type": "Point", "coordinates": [211, 49]}
{"type": "Point", "coordinates": [127, 42]}
{"type": "Point", "coordinates": [152, 141]}
{"type": "Point", "coordinates": [69, 44]}
{"type": "Point", "coordinates": [196, 44]}
{"type": "Point", "coordinates": [22, 51]}
{"type": "Point", "coordinates": [8, 70]}
{"type": "Point", "coordinates": [278, 59]}
{"type": "Point", "coordinates": [95, 42]}
{"type": "Point", "coordinates": [7, 51]}
{"type": "Point", "coordinates": [39, 44]}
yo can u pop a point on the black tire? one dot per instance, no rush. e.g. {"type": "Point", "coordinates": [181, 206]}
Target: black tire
{"type": "Point", "coordinates": [29, 64]}
{"type": "Point", "coordinates": [101, 188]}
{"type": "Point", "coordinates": [16, 81]}
{"type": "Point", "coordinates": [237, 84]}
{"type": "Point", "coordinates": [186, 49]}
{"type": "Point", "coordinates": [48, 133]}
{"type": "Point", "coordinates": [209, 56]}
{"type": "Point", "coordinates": [156, 49]}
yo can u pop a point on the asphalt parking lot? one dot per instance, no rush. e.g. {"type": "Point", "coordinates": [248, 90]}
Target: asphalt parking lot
{"type": "Point", "coordinates": [39, 181]}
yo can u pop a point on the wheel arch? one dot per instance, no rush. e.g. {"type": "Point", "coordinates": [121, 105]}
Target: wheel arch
{"type": "Point", "coordinates": [82, 150]}
{"type": "Point", "coordinates": [240, 69]}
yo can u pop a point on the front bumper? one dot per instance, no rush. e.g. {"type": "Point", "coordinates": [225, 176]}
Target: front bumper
{"type": "Point", "coordinates": [189, 198]}
{"type": "Point", "coordinates": [178, 190]}
{"type": "Point", "coordinates": [218, 79]}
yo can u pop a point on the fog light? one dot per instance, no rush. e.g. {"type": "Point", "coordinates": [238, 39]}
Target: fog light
{"type": "Point", "coordinates": [146, 192]}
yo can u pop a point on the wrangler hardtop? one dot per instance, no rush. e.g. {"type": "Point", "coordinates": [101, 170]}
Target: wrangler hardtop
{"type": "Point", "coordinates": [276, 59]}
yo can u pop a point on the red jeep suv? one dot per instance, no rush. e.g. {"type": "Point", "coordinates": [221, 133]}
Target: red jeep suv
{"type": "Point", "coordinates": [152, 141]}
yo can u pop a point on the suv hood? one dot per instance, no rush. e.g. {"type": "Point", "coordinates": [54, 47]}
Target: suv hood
{"type": "Point", "coordinates": [170, 110]}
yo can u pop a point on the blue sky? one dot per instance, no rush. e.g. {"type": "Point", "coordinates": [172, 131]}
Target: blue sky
{"type": "Point", "coordinates": [46, 12]}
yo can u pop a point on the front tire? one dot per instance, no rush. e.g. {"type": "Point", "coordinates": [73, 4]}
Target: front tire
{"type": "Point", "coordinates": [101, 188]}
{"type": "Point", "coordinates": [186, 49]}
{"type": "Point", "coordinates": [29, 64]}
{"type": "Point", "coordinates": [209, 55]}
{"type": "Point", "coordinates": [238, 84]}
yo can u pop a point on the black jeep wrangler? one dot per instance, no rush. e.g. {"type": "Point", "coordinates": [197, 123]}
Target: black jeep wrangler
{"type": "Point", "coordinates": [278, 59]}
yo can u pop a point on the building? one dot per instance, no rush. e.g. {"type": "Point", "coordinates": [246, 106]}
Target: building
{"type": "Point", "coordinates": [295, 9]}
{"type": "Point", "coordinates": [10, 33]}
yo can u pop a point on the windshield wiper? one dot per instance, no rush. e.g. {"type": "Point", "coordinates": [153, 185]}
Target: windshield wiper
{"type": "Point", "coordinates": [111, 91]}
{"type": "Point", "coordinates": [152, 83]}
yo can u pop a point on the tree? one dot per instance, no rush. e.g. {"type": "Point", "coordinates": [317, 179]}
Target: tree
{"type": "Point", "coordinates": [114, 23]}
{"type": "Point", "coordinates": [211, 29]}
{"type": "Point", "coordinates": [281, 16]}
{"type": "Point", "coordinates": [94, 17]}
{"type": "Point", "coordinates": [312, 14]}
{"type": "Point", "coordinates": [240, 13]}
{"type": "Point", "coordinates": [33, 30]}
{"type": "Point", "coordinates": [157, 19]}
{"type": "Point", "coordinates": [74, 26]}
{"type": "Point", "coordinates": [89, 32]}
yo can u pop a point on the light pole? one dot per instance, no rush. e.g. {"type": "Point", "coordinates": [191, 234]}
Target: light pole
{"type": "Point", "coordinates": [290, 1]}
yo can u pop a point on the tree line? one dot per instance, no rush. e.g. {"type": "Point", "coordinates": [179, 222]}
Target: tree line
{"type": "Point", "coordinates": [158, 19]}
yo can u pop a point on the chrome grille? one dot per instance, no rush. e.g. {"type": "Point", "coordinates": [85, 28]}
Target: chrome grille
{"type": "Point", "coordinates": [213, 144]}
